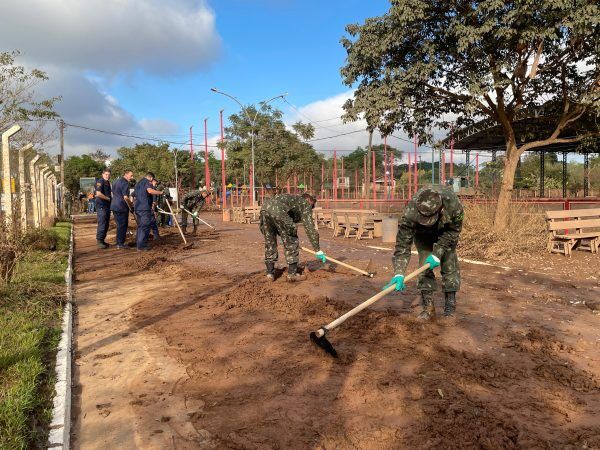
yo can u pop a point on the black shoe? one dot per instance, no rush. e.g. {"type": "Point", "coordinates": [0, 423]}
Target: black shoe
{"type": "Point", "coordinates": [293, 274]}
{"type": "Point", "coordinates": [143, 249]}
{"type": "Point", "coordinates": [270, 271]}
{"type": "Point", "coordinates": [428, 312]}
{"type": "Point", "coordinates": [122, 247]}
{"type": "Point", "coordinates": [450, 304]}
{"type": "Point", "coordinates": [102, 244]}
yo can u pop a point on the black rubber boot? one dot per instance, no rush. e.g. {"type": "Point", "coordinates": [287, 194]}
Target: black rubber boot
{"type": "Point", "coordinates": [102, 244]}
{"type": "Point", "coordinates": [450, 305]}
{"type": "Point", "coordinates": [293, 274]}
{"type": "Point", "coordinates": [428, 312]}
{"type": "Point", "coordinates": [270, 271]}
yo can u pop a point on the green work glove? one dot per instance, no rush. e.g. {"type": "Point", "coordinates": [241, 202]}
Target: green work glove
{"type": "Point", "coordinates": [321, 256]}
{"type": "Point", "coordinates": [397, 280]}
{"type": "Point", "coordinates": [433, 261]}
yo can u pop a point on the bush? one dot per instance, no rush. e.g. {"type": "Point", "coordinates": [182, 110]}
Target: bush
{"type": "Point", "coordinates": [525, 234]}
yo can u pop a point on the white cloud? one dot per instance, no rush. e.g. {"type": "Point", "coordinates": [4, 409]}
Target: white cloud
{"type": "Point", "coordinates": [325, 116]}
{"type": "Point", "coordinates": [84, 104]}
{"type": "Point", "coordinates": [321, 113]}
{"type": "Point", "coordinates": [82, 44]}
{"type": "Point", "coordinates": [112, 36]}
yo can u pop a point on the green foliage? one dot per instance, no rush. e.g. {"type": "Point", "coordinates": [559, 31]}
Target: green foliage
{"type": "Point", "coordinates": [160, 160]}
{"type": "Point", "coordinates": [19, 102]}
{"type": "Point", "coordinates": [30, 312]}
{"type": "Point", "coordinates": [426, 59]}
{"type": "Point", "coordinates": [276, 149]}
{"type": "Point", "coordinates": [77, 167]}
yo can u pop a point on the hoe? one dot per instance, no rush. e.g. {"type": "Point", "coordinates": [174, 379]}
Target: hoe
{"type": "Point", "coordinates": [318, 337]}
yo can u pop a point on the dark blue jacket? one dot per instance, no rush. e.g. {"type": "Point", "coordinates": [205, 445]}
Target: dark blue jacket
{"type": "Point", "coordinates": [120, 189]}
{"type": "Point", "coordinates": [102, 186]}
{"type": "Point", "coordinates": [143, 200]}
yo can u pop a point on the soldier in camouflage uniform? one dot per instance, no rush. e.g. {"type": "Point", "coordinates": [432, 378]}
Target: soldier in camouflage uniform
{"type": "Point", "coordinates": [433, 220]}
{"type": "Point", "coordinates": [193, 201]}
{"type": "Point", "coordinates": [279, 216]}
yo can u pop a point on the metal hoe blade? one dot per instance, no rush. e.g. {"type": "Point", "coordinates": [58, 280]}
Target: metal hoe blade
{"type": "Point", "coordinates": [324, 343]}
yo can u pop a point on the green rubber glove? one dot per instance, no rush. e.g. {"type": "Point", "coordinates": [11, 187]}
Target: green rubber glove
{"type": "Point", "coordinates": [433, 261]}
{"type": "Point", "coordinates": [397, 280]}
{"type": "Point", "coordinates": [321, 256]}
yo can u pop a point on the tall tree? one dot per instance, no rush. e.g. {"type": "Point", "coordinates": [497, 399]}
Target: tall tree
{"type": "Point", "coordinates": [502, 60]}
{"type": "Point", "coordinates": [20, 103]}
{"type": "Point", "coordinates": [77, 167]}
{"type": "Point", "coordinates": [278, 152]}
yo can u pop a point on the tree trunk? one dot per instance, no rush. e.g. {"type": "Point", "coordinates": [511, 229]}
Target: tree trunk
{"type": "Point", "coordinates": [506, 187]}
{"type": "Point", "coordinates": [368, 174]}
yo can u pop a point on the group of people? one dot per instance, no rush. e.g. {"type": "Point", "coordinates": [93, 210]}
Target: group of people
{"type": "Point", "coordinates": [432, 220]}
{"type": "Point", "coordinates": [144, 199]}
{"type": "Point", "coordinates": [118, 199]}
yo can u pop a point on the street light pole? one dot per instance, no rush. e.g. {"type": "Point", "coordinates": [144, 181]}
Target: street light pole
{"type": "Point", "coordinates": [253, 126]}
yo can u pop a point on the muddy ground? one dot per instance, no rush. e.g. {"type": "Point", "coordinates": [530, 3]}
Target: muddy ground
{"type": "Point", "coordinates": [193, 349]}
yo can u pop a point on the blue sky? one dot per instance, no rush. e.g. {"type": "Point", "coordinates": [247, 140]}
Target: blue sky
{"type": "Point", "coordinates": [268, 47]}
{"type": "Point", "coordinates": [145, 67]}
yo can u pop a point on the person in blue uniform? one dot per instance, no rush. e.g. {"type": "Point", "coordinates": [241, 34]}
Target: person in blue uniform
{"type": "Point", "coordinates": [121, 205]}
{"type": "Point", "coordinates": [103, 199]}
{"type": "Point", "coordinates": [143, 209]}
{"type": "Point", "coordinates": [154, 223]}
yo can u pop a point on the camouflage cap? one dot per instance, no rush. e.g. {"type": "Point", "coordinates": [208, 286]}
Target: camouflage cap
{"type": "Point", "coordinates": [429, 204]}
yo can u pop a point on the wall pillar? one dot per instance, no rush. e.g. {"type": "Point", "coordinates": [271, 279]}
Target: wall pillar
{"type": "Point", "coordinates": [7, 200]}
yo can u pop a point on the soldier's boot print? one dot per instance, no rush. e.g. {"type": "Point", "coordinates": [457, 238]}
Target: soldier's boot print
{"type": "Point", "coordinates": [293, 274]}
{"type": "Point", "coordinates": [270, 271]}
{"type": "Point", "coordinates": [428, 312]}
{"type": "Point", "coordinates": [450, 307]}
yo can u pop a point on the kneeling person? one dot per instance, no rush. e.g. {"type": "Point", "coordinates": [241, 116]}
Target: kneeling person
{"type": "Point", "coordinates": [279, 216]}
{"type": "Point", "coordinates": [433, 220]}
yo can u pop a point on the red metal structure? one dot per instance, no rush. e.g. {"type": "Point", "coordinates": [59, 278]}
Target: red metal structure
{"type": "Point", "coordinates": [192, 159]}
{"type": "Point", "coordinates": [223, 185]}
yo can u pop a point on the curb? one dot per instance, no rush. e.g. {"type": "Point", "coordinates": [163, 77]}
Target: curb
{"type": "Point", "coordinates": [60, 427]}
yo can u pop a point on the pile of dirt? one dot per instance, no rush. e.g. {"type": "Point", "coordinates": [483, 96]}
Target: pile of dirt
{"type": "Point", "coordinates": [397, 382]}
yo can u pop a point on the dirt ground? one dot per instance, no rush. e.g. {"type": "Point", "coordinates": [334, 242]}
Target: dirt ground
{"type": "Point", "coordinates": [181, 349]}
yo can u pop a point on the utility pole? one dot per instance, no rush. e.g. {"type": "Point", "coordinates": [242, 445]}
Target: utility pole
{"type": "Point", "coordinates": [62, 152]}
{"type": "Point", "coordinates": [62, 164]}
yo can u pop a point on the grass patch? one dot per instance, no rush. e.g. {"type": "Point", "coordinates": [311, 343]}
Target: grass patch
{"type": "Point", "coordinates": [30, 319]}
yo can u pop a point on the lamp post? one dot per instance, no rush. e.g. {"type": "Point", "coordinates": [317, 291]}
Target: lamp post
{"type": "Point", "coordinates": [253, 126]}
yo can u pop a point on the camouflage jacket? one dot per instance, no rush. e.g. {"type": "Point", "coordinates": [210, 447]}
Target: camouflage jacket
{"type": "Point", "coordinates": [444, 233]}
{"type": "Point", "coordinates": [291, 209]}
{"type": "Point", "coordinates": [193, 201]}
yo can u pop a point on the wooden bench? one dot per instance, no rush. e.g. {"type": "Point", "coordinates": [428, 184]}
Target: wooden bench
{"type": "Point", "coordinates": [339, 223]}
{"type": "Point", "coordinates": [366, 226]}
{"type": "Point", "coordinates": [567, 230]}
{"type": "Point", "coordinates": [237, 214]}
{"type": "Point", "coordinates": [250, 214]}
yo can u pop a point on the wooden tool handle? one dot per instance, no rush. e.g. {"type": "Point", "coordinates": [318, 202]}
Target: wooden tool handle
{"type": "Point", "coordinates": [356, 269]}
{"type": "Point", "coordinates": [176, 223]}
{"type": "Point", "coordinates": [321, 331]}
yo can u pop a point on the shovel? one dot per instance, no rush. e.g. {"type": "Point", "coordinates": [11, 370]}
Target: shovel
{"type": "Point", "coordinates": [318, 337]}
{"type": "Point", "coordinates": [348, 266]}
{"type": "Point", "coordinates": [178, 227]}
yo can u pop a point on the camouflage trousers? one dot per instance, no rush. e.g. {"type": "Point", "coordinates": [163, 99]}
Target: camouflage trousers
{"type": "Point", "coordinates": [184, 219]}
{"type": "Point", "coordinates": [270, 227]}
{"type": "Point", "coordinates": [448, 267]}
